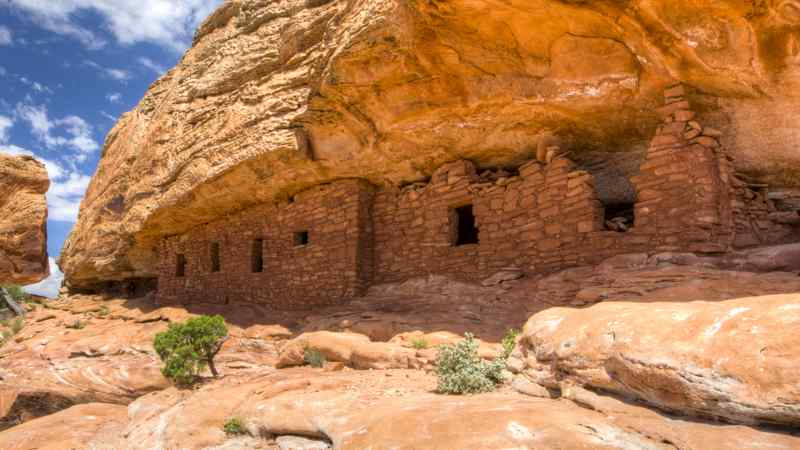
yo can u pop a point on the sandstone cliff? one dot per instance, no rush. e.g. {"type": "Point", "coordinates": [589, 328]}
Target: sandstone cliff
{"type": "Point", "coordinates": [23, 220]}
{"type": "Point", "coordinates": [276, 96]}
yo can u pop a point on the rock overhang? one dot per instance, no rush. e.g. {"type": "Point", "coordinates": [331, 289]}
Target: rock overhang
{"type": "Point", "coordinates": [273, 99]}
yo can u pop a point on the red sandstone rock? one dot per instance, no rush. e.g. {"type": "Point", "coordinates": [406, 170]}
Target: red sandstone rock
{"type": "Point", "coordinates": [277, 97]}
{"type": "Point", "coordinates": [71, 429]}
{"type": "Point", "coordinates": [394, 409]}
{"type": "Point", "coordinates": [23, 220]}
{"type": "Point", "coordinates": [733, 360]}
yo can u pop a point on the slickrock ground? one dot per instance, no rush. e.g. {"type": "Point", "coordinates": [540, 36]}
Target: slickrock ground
{"type": "Point", "coordinates": [23, 220]}
{"type": "Point", "coordinates": [620, 374]}
{"type": "Point", "coordinates": [286, 94]}
{"type": "Point", "coordinates": [735, 360]}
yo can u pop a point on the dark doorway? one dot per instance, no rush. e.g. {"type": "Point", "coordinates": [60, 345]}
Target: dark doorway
{"type": "Point", "coordinates": [180, 265]}
{"type": "Point", "coordinates": [215, 263]}
{"type": "Point", "coordinates": [466, 232]}
{"type": "Point", "coordinates": [257, 256]}
{"type": "Point", "coordinates": [620, 217]}
{"type": "Point", "coordinates": [301, 238]}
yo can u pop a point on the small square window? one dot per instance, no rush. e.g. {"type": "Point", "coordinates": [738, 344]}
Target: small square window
{"type": "Point", "coordinates": [180, 265]}
{"type": "Point", "coordinates": [463, 226]}
{"type": "Point", "coordinates": [257, 256]}
{"type": "Point", "coordinates": [620, 217]}
{"type": "Point", "coordinates": [301, 238]}
{"type": "Point", "coordinates": [215, 261]}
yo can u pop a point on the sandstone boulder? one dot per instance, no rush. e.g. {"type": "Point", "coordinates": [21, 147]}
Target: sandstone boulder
{"type": "Point", "coordinates": [288, 94]}
{"type": "Point", "coordinates": [71, 429]}
{"type": "Point", "coordinates": [734, 360]}
{"type": "Point", "coordinates": [359, 352]}
{"type": "Point", "coordinates": [23, 220]}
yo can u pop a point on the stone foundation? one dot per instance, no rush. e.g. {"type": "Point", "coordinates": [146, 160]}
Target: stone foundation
{"type": "Point", "coordinates": [333, 241]}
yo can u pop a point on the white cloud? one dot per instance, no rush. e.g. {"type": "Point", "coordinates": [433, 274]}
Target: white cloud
{"type": "Point", "coordinates": [64, 197]}
{"type": "Point", "coordinates": [118, 74]}
{"type": "Point", "coordinates": [152, 65]}
{"type": "Point", "coordinates": [78, 131]}
{"type": "Point", "coordinates": [36, 86]}
{"type": "Point", "coordinates": [3, 71]}
{"type": "Point", "coordinates": [167, 23]}
{"type": "Point", "coordinates": [49, 286]}
{"type": "Point", "coordinates": [5, 36]}
{"type": "Point", "coordinates": [108, 116]}
{"type": "Point", "coordinates": [110, 72]}
{"type": "Point", "coordinates": [114, 97]}
{"type": "Point", "coordinates": [5, 124]}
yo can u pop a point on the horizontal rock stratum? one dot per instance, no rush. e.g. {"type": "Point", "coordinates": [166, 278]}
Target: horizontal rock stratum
{"type": "Point", "coordinates": [734, 360]}
{"type": "Point", "coordinates": [23, 220]}
{"type": "Point", "coordinates": [275, 97]}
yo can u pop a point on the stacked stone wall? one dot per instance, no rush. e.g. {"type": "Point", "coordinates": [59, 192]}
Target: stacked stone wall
{"type": "Point", "coordinates": [326, 270]}
{"type": "Point", "coordinates": [541, 217]}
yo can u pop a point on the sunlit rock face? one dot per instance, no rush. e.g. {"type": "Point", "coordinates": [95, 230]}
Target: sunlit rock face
{"type": "Point", "coordinates": [276, 96]}
{"type": "Point", "coordinates": [23, 220]}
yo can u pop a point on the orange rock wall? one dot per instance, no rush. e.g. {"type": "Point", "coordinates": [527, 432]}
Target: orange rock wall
{"type": "Point", "coordinates": [543, 217]}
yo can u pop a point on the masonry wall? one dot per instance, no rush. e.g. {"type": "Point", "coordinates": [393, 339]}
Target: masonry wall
{"type": "Point", "coordinates": [543, 216]}
{"type": "Point", "coordinates": [326, 270]}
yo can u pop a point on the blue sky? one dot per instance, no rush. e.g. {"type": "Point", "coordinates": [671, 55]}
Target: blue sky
{"type": "Point", "coordinates": [68, 70]}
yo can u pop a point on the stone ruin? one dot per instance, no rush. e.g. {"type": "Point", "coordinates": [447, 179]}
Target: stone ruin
{"type": "Point", "coordinates": [331, 242]}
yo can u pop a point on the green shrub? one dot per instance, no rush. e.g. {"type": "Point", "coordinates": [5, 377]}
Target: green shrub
{"type": "Point", "coordinates": [419, 343]}
{"type": "Point", "coordinates": [103, 311]}
{"type": "Point", "coordinates": [16, 293]}
{"type": "Point", "coordinates": [187, 348]}
{"type": "Point", "coordinates": [461, 371]}
{"type": "Point", "coordinates": [234, 426]}
{"type": "Point", "coordinates": [313, 357]}
{"type": "Point", "coordinates": [17, 325]}
{"type": "Point", "coordinates": [509, 342]}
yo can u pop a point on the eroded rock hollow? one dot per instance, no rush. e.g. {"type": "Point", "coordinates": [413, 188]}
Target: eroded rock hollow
{"type": "Point", "coordinates": [278, 97]}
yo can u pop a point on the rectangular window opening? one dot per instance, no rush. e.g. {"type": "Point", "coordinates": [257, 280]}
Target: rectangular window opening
{"type": "Point", "coordinates": [620, 217]}
{"type": "Point", "coordinates": [180, 265]}
{"type": "Point", "coordinates": [301, 238]}
{"type": "Point", "coordinates": [258, 256]}
{"type": "Point", "coordinates": [215, 263]}
{"type": "Point", "coordinates": [466, 231]}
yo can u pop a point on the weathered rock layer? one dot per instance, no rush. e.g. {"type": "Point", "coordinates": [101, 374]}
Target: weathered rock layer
{"type": "Point", "coordinates": [731, 360]}
{"type": "Point", "coordinates": [277, 96]}
{"type": "Point", "coordinates": [23, 220]}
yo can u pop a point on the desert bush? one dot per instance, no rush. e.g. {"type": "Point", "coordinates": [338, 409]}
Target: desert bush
{"type": "Point", "coordinates": [234, 426]}
{"type": "Point", "coordinates": [313, 357]}
{"type": "Point", "coordinates": [187, 348]}
{"type": "Point", "coordinates": [419, 343]}
{"type": "Point", "coordinates": [17, 325]}
{"type": "Point", "coordinates": [103, 311]}
{"type": "Point", "coordinates": [461, 371]}
{"type": "Point", "coordinates": [16, 293]}
{"type": "Point", "coordinates": [509, 342]}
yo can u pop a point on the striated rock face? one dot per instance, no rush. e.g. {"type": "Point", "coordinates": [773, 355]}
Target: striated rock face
{"type": "Point", "coordinates": [730, 360]}
{"type": "Point", "coordinates": [277, 96]}
{"type": "Point", "coordinates": [23, 220]}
